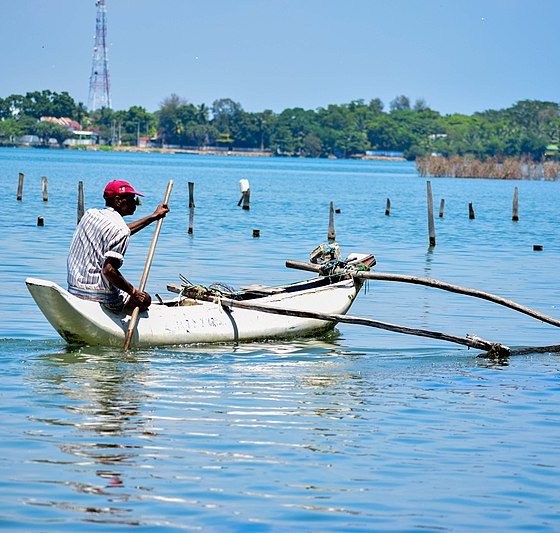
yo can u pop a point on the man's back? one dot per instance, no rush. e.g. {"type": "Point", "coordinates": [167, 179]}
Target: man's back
{"type": "Point", "coordinates": [102, 233]}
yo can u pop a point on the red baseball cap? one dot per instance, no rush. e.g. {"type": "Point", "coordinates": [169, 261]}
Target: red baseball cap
{"type": "Point", "coordinates": [118, 187]}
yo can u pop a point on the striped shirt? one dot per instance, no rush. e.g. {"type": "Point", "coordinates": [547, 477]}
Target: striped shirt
{"type": "Point", "coordinates": [101, 234]}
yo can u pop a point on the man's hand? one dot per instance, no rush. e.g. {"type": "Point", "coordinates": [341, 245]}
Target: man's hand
{"type": "Point", "coordinates": [161, 211]}
{"type": "Point", "coordinates": [140, 299]}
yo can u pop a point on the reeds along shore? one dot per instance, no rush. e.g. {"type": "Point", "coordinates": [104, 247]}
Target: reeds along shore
{"type": "Point", "coordinates": [491, 168]}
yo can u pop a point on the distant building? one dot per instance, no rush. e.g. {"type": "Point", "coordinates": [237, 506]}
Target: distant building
{"type": "Point", "coordinates": [82, 138]}
{"type": "Point", "coordinates": [143, 142]}
{"type": "Point", "coordinates": [384, 153]}
{"type": "Point", "coordinates": [79, 136]}
{"type": "Point", "coordinates": [65, 122]}
{"type": "Point", "coordinates": [29, 140]}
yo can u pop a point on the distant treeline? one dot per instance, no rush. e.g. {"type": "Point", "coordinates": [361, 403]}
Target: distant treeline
{"type": "Point", "coordinates": [342, 130]}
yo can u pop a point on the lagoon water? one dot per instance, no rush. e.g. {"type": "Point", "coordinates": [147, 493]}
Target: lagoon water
{"type": "Point", "coordinates": [356, 430]}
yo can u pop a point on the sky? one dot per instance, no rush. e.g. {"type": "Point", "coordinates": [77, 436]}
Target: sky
{"type": "Point", "coordinates": [460, 56]}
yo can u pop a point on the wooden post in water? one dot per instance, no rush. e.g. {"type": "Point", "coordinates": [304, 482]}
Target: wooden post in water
{"type": "Point", "coordinates": [431, 226]}
{"type": "Point", "coordinates": [441, 207]}
{"type": "Point", "coordinates": [191, 194]}
{"type": "Point", "coordinates": [471, 211]}
{"type": "Point", "coordinates": [40, 221]}
{"type": "Point", "coordinates": [80, 201]}
{"type": "Point", "coordinates": [388, 207]}
{"type": "Point", "coordinates": [44, 189]}
{"type": "Point", "coordinates": [515, 211]}
{"type": "Point", "coordinates": [245, 193]}
{"type": "Point", "coordinates": [191, 208]}
{"type": "Point", "coordinates": [20, 186]}
{"type": "Point", "coordinates": [246, 197]}
{"type": "Point", "coordinates": [331, 235]}
{"type": "Point", "coordinates": [190, 231]}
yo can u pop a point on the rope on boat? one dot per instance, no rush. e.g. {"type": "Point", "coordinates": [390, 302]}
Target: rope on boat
{"type": "Point", "coordinates": [328, 264]}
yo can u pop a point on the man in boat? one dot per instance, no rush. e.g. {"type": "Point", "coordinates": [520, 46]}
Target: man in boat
{"type": "Point", "coordinates": [98, 247]}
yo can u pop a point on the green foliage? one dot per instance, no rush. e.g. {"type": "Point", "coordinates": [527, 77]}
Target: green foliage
{"type": "Point", "coordinates": [182, 123]}
{"type": "Point", "coordinates": [47, 130]}
{"type": "Point", "coordinates": [400, 103]}
{"type": "Point", "coordinates": [342, 130]}
{"type": "Point", "coordinates": [40, 104]}
{"type": "Point", "coordinates": [20, 114]}
{"type": "Point", "coordinates": [10, 130]}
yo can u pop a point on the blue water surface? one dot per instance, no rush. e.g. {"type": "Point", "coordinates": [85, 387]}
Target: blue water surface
{"type": "Point", "coordinates": [356, 430]}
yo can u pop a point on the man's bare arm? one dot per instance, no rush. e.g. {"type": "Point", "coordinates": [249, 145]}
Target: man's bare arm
{"type": "Point", "coordinates": [136, 226]}
{"type": "Point", "coordinates": [112, 273]}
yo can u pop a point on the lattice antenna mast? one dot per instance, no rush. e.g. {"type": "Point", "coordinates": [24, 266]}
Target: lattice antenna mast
{"type": "Point", "coordinates": [99, 84]}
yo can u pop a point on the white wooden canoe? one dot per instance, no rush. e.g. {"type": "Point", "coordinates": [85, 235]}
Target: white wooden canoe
{"type": "Point", "coordinates": [186, 321]}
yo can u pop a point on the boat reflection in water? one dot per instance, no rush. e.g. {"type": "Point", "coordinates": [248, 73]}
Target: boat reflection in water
{"type": "Point", "coordinates": [135, 424]}
{"type": "Point", "coordinates": [99, 399]}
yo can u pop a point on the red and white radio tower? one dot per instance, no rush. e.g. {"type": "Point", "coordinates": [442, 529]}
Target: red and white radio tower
{"type": "Point", "coordinates": [99, 85]}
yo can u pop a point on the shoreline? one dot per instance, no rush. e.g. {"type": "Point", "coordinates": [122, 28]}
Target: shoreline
{"type": "Point", "coordinates": [241, 153]}
{"type": "Point", "coordinates": [138, 149]}
{"type": "Point", "coordinates": [192, 151]}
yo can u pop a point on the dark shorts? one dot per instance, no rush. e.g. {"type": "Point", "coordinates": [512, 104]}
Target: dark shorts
{"type": "Point", "coordinates": [114, 302]}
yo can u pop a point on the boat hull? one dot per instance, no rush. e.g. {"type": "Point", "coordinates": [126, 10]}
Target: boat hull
{"type": "Point", "coordinates": [85, 322]}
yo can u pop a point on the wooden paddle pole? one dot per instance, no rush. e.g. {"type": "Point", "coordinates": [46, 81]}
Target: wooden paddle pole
{"type": "Point", "coordinates": [147, 266]}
